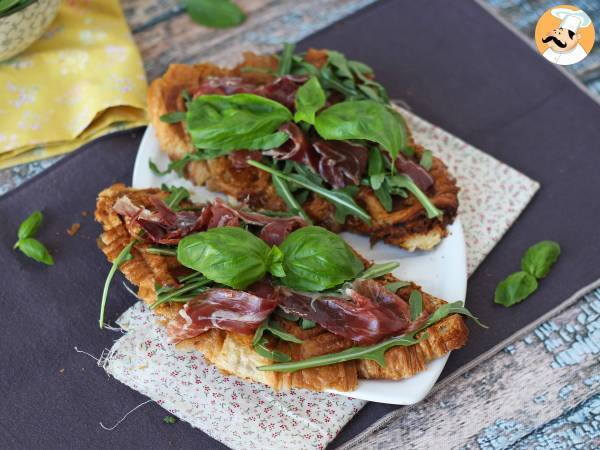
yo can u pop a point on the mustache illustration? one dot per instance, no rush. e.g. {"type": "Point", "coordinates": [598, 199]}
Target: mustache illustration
{"type": "Point", "coordinates": [556, 41]}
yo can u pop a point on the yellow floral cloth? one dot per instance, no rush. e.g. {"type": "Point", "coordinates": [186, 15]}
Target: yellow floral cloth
{"type": "Point", "coordinates": [82, 79]}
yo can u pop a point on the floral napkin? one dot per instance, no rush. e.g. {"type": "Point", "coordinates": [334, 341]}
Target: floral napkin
{"type": "Point", "coordinates": [248, 415]}
{"type": "Point", "coordinates": [82, 79]}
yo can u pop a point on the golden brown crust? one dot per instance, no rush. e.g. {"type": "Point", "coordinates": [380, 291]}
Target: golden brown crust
{"type": "Point", "coordinates": [233, 354]}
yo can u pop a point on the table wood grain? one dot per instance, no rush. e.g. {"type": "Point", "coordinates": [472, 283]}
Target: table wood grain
{"type": "Point", "coordinates": [543, 391]}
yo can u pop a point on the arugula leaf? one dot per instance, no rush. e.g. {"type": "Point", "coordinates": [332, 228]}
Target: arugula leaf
{"type": "Point", "coordinates": [405, 182]}
{"type": "Point", "coordinates": [176, 195]}
{"type": "Point", "coordinates": [426, 160]}
{"type": "Point", "coordinates": [283, 190]}
{"type": "Point", "coordinates": [228, 255]}
{"type": "Point", "coordinates": [123, 256]}
{"type": "Point", "coordinates": [515, 288]}
{"type": "Point", "coordinates": [35, 250]}
{"type": "Point", "coordinates": [173, 117]}
{"type": "Point", "coordinates": [306, 324]}
{"type": "Point", "coordinates": [415, 302]}
{"type": "Point", "coordinates": [384, 196]}
{"type": "Point", "coordinates": [215, 13]}
{"type": "Point", "coordinates": [233, 122]}
{"type": "Point", "coordinates": [393, 287]}
{"type": "Point", "coordinates": [275, 330]}
{"type": "Point", "coordinates": [162, 251]}
{"type": "Point", "coordinates": [374, 352]}
{"type": "Point", "coordinates": [285, 61]}
{"type": "Point", "coordinates": [363, 119]}
{"type": "Point", "coordinates": [175, 294]}
{"type": "Point", "coordinates": [310, 98]}
{"type": "Point", "coordinates": [316, 259]}
{"type": "Point", "coordinates": [339, 198]}
{"type": "Point", "coordinates": [378, 270]}
{"type": "Point", "coordinates": [29, 226]}
{"type": "Point", "coordinates": [539, 258]}
{"type": "Point", "coordinates": [261, 348]}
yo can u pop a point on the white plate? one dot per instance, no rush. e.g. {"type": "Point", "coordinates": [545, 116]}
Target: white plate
{"type": "Point", "coordinates": [442, 272]}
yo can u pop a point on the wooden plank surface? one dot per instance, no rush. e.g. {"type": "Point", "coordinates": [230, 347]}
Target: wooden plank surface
{"type": "Point", "coordinates": [541, 392]}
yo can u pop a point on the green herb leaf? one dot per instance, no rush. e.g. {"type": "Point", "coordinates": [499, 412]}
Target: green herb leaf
{"type": "Point", "coordinates": [170, 294]}
{"type": "Point", "coordinates": [176, 195]}
{"type": "Point", "coordinates": [162, 251]}
{"type": "Point", "coordinates": [363, 119]}
{"type": "Point", "coordinates": [393, 287]}
{"type": "Point", "coordinates": [540, 257]}
{"type": "Point", "coordinates": [378, 270]}
{"type": "Point", "coordinates": [215, 13]}
{"type": "Point", "coordinates": [173, 117]}
{"type": "Point", "coordinates": [275, 262]}
{"type": "Point", "coordinates": [29, 226]}
{"type": "Point", "coordinates": [275, 330]}
{"type": "Point", "coordinates": [170, 420]}
{"type": "Point", "coordinates": [228, 255]}
{"type": "Point", "coordinates": [376, 165]}
{"type": "Point", "coordinates": [232, 122]}
{"type": "Point", "coordinates": [310, 98]}
{"type": "Point", "coordinates": [374, 352]}
{"type": "Point", "coordinates": [261, 348]}
{"type": "Point", "coordinates": [339, 198]}
{"type": "Point", "coordinates": [306, 324]}
{"type": "Point", "coordinates": [405, 182]}
{"type": "Point", "coordinates": [416, 304]}
{"type": "Point", "coordinates": [377, 180]}
{"type": "Point", "coordinates": [316, 259]}
{"type": "Point", "coordinates": [426, 160]}
{"type": "Point", "coordinates": [515, 288]}
{"type": "Point", "coordinates": [35, 250]}
{"type": "Point", "coordinates": [123, 256]}
{"type": "Point", "coordinates": [6, 5]}
{"type": "Point", "coordinates": [285, 61]}
{"type": "Point", "coordinates": [283, 190]}
{"type": "Point", "coordinates": [384, 196]}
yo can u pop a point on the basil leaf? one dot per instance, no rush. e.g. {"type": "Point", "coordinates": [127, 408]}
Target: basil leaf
{"type": "Point", "coordinates": [377, 180]}
{"type": "Point", "coordinates": [339, 198]}
{"type": "Point", "coordinates": [363, 119]}
{"type": "Point", "coordinates": [393, 287]}
{"type": "Point", "coordinates": [284, 192]}
{"type": "Point", "coordinates": [215, 13]}
{"type": "Point", "coordinates": [316, 259]}
{"type": "Point", "coordinates": [426, 160]}
{"type": "Point", "coordinates": [375, 166]}
{"type": "Point", "coordinates": [405, 182]}
{"type": "Point", "coordinates": [228, 255]}
{"type": "Point", "coordinates": [29, 226]}
{"type": "Point", "coordinates": [173, 117]}
{"type": "Point", "coordinates": [416, 304]}
{"type": "Point", "coordinates": [233, 122]}
{"type": "Point", "coordinates": [310, 98]}
{"type": "Point", "coordinates": [170, 420]}
{"type": "Point", "coordinates": [123, 256]}
{"type": "Point", "coordinates": [378, 270]}
{"type": "Point", "coordinates": [275, 262]}
{"type": "Point", "coordinates": [540, 257]}
{"type": "Point", "coordinates": [515, 288]}
{"type": "Point", "coordinates": [339, 62]}
{"type": "Point", "coordinates": [34, 249]}
{"type": "Point", "coordinates": [285, 61]}
{"type": "Point", "coordinates": [360, 67]}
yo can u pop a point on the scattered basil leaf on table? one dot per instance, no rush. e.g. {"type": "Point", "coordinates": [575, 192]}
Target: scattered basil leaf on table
{"type": "Point", "coordinates": [30, 246]}
{"type": "Point", "coordinates": [515, 288]}
{"type": "Point", "coordinates": [29, 226]}
{"type": "Point", "coordinates": [123, 256]}
{"type": "Point", "coordinates": [378, 270]}
{"type": "Point", "coordinates": [540, 257]}
{"type": "Point", "coordinates": [310, 98]}
{"type": "Point", "coordinates": [233, 122]}
{"type": "Point", "coordinates": [34, 249]}
{"type": "Point", "coordinates": [170, 420]}
{"type": "Point", "coordinates": [364, 119]}
{"type": "Point", "coordinates": [215, 13]}
{"type": "Point", "coordinates": [415, 302]}
{"type": "Point", "coordinates": [315, 259]}
{"type": "Point", "coordinates": [426, 160]}
{"type": "Point", "coordinates": [339, 198]}
{"type": "Point", "coordinates": [229, 255]}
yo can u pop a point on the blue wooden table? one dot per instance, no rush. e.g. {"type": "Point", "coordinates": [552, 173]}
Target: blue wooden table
{"type": "Point", "coordinates": [542, 391]}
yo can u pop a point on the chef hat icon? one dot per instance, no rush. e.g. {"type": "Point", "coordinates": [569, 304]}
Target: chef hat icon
{"type": "Point", "coordinates": [570, 19]}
